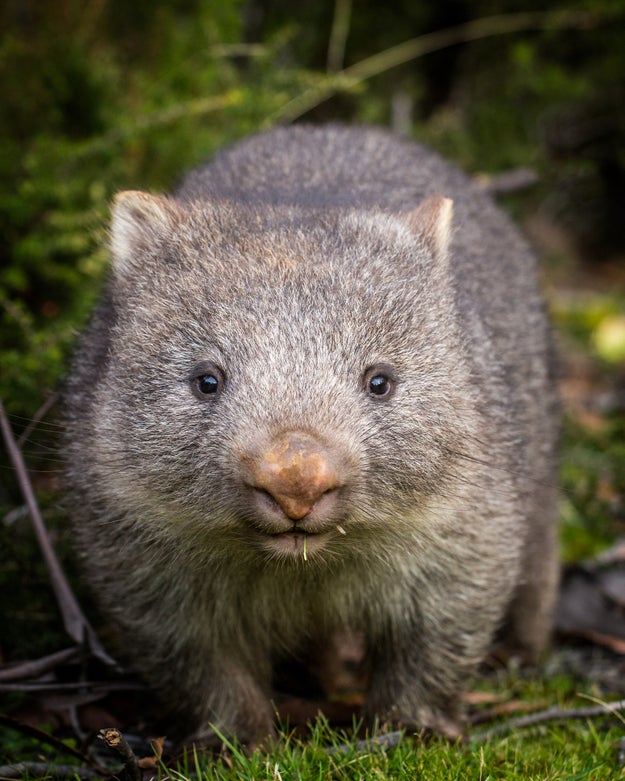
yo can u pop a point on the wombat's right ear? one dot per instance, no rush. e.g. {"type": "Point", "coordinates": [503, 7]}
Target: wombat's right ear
{"type": "Point", "coordinates": [432, 221]}
{"type": "Point", "coordinates": [139, 222]}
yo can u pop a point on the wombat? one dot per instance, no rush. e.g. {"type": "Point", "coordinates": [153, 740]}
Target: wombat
{"type": "Point", "coordinates": [316, 396]}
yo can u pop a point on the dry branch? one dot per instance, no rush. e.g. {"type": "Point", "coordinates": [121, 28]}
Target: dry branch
{"type": "Point", "coordinates": [76, 625]}
{"type": "Point", "coordinates": [501, 24]}
{"type": "Point", "coordinates": [37, 667]}
{"type": "Point", "coordinates": [115, 741]}
{"type": "Point", "coordinates": [544, 716]}
{"type": "Point", "coordinates": [44, 737]}
{"type": "Point", "coordinates": [49, 770]}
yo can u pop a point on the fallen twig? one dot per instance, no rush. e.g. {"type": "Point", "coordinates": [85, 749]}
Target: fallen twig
{"type": "Point", "coordinates": [38, 667]}
{"type": "Point", "coordinates": [93, 689]}
{"type": "Point", "coordinates": [50, 740]}
{"type": "Point", "coordinates": [49, 770]}
{"type": "Point", "coordinates": [115, 741]}
{"type": "Point", "coordinates": [508, 181]}
{"type": "Point", "coordinates": [75, 622]}
{"type": "Point", "coordinates": [502, 709]}
{"type": "Point", "coordinates": [544, 716]}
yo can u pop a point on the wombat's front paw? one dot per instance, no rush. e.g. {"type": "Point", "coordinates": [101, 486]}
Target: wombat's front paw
{"type": "Point", "coordinates": [448, 724]}
{"type": "Point", "coordinates": [450, 727]}
{"type": "Point", "coordinates": [212, 738]}
{"type": "Point", "coordinates": [251, 728]}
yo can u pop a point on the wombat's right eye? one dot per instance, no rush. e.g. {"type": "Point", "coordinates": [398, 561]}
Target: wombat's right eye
{"type": "Point", "coordinates": [380, 381]}
{"type": "Point", "coordinates": [207, 381]}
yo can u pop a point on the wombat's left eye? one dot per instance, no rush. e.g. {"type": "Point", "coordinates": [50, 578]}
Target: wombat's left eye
{"type": "Point", "coordinates": [380, 381]}
{"type": "Point", "coordinates": [207, 384]}
{"type": "Point", "coordinates": [207, 381]}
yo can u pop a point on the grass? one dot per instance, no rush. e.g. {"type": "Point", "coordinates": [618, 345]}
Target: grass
{"type": "Point", "coordinates": [571, 751]}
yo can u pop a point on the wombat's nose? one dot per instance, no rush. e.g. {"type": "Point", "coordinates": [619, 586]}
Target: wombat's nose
{"type": "Point", "coordinates": [296, 471]}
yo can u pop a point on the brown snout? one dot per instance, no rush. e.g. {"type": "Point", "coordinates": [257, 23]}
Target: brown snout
{"type": "Point", "coordinates": [296, 471]}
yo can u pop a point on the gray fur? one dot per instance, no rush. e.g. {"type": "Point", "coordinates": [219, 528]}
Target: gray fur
{"type": "Point", "coordinates": [295, 261]}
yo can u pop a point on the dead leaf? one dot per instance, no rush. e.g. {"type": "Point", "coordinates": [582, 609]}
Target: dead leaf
{"type": "Point", "coordinates": [151, 763]}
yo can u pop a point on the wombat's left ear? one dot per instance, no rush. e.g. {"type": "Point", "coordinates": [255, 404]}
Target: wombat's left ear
{"type": "Point", "coordinates": [431, 221]}
{"type": "Point", "coordinates": [139, 223]}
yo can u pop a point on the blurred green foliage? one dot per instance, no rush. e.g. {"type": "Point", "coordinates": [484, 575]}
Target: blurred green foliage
{"type": "Point", "coordinates": [100, 96]}
{"type": "Point", "coordinates": [104, 95]}
{"type": "Point", "coordinates": [592, 507]}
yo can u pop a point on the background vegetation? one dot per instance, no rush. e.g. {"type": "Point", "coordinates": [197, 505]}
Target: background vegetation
{"type": "Point", "coordinates": [105, 95]}
{"type": "Point", "coordinates": [100, 95]}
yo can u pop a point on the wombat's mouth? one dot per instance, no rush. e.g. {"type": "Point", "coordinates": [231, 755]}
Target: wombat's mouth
{"type": "Point", "coordinates": [296, 542]}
